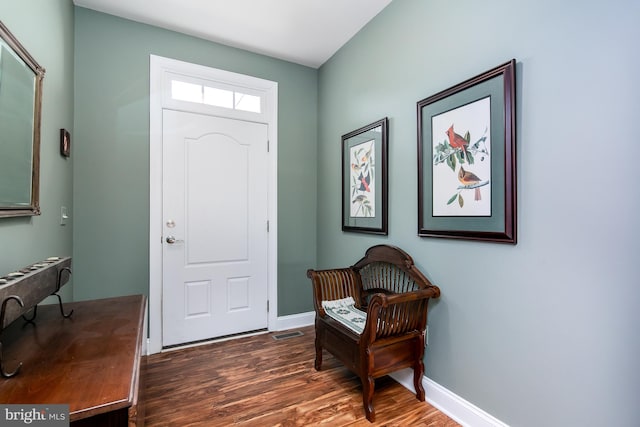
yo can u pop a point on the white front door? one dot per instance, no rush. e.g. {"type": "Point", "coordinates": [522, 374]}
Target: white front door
{"type": "Point", "coordinates": [215, 212]}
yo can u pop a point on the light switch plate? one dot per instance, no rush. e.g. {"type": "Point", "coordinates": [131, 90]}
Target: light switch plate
{"type": "Point", "coordinates": [64, 215]}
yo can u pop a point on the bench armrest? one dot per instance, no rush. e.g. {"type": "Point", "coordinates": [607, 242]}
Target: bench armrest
{"type": "Point", "coordinates": [334, 284]}
{"type": "Point", "coordinates": [398, 314]}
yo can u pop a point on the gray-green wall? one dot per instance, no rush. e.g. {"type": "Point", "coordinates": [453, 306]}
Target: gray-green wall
{"type": "Point", "coordinates": [544, 333]}
{"type": "Point", "coordinates": [45, 29]}
{"type": "Point", "coordinates": [111, 172]}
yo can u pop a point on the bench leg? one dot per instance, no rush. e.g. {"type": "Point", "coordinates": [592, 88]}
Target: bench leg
{"type": "Point", "coordinates": [368, 387]}
{"type": "Point", "coordinates": [418, 370]}
{"type": "Point", "coordinates": [318, 361]}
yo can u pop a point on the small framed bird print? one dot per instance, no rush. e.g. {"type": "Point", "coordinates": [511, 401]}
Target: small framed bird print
{"type": "Point", "coordinates": [65, 143]}
{"type": "Point", "coordinates": [364, 179]}
{"type": "Point", "coordinates": [466, 159]}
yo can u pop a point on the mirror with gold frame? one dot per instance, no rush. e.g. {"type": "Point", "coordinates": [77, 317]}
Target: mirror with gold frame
{"type": "Point", "coordinates": [20, 110]}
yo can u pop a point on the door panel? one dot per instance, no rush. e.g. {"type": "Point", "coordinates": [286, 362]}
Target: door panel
{"type": "Point", "coordinates": [215, 179]}
{"type": "Point", "coordinates": [224, 162]}
{"type": "Point", "coordinates": [197, 296]}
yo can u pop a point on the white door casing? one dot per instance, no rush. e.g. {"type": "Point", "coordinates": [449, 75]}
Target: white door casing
{"type": "Point", "coordinates": [215, 227]}
{"type": "Point", "coordinates": [160, 71]}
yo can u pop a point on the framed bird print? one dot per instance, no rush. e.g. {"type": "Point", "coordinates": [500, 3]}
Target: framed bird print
{"type": "Point", "coordinates": [364, 179]}
{"type": "Point", "coordinates": [467, 161]}
{"type": "Point", "coordinates": [65, 143]}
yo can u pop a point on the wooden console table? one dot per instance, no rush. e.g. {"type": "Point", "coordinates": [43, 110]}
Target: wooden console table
{"type": "Point", "coordinates": [92, 361]}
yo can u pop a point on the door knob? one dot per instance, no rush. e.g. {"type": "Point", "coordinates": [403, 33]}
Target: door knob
{"type": "Point", "coordinates": [171, 240]}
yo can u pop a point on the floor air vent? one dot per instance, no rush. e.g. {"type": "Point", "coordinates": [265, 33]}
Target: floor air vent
{"type": "Point", "coordinates": [287, 335]}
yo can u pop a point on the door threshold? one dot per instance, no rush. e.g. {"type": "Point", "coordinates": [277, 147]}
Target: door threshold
{"type": "Point", "coordinates": [214, 340]}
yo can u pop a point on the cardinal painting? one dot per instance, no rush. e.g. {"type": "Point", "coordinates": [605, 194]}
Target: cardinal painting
{"type": "Point", "coordinates": [462, 160]}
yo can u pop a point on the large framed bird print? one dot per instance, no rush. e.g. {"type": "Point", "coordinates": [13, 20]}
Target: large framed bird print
{"type": "Point", "coordinates": [365, 178]}
{"type": "Point", "coordinates": [467, 159]}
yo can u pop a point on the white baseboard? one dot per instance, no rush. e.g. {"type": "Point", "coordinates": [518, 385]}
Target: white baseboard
{"type": "Point", "coordinates": [451, 404]}
{"type": "Point", "coordinates": [295, 321]}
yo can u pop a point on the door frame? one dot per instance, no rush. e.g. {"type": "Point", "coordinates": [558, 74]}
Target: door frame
{"type": "Point", "coordinates": [159, 69]}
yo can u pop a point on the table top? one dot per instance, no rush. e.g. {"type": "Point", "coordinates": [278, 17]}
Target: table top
{"type": "Point", "coordinates": [89, 361]}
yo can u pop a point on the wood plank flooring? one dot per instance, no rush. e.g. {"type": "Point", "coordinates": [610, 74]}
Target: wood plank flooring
{"type": "Point", "coordinates": [259, 381]}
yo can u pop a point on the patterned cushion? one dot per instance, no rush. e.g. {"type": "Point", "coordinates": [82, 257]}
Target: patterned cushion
{"type": "Point", "coordinates": [345, 312]}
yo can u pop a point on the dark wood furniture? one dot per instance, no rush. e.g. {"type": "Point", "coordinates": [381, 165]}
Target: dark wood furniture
{"type": "Point", "coordinates": [21, 291]}
{"type": "Point", "coordinates": [92, 361]}
{"type": "Point", "coordinates": [395, 295]}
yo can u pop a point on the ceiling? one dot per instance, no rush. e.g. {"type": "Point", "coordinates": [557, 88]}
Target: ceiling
{"type": "Point", "coordinates": [306, 32]}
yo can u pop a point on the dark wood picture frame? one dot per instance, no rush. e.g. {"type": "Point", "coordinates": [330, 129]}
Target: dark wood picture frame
{"type": "Point", "coordinates": [365, 178]}
{"type": "Point", "coordinates": [482, 109]}
{"type": "Point", "coordinates": [65, 143]}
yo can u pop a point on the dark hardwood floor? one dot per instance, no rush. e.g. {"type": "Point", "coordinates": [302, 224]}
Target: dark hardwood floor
{"type": "Point", "coordinates": [260, 381]}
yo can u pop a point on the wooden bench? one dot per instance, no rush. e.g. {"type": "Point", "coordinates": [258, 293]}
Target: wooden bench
{"type": "Point", "coordinates": [386, 285]}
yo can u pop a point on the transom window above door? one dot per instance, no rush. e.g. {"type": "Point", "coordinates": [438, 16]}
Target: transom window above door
{"type": "Point", "coordinates": [214, 94]}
